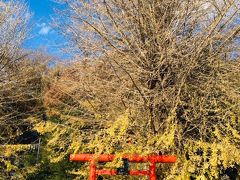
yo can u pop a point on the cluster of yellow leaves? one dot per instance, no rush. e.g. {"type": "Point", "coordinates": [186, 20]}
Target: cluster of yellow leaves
{"type": "Point", "coordinates": [8, 150]}
{"type": "Point", "coordinates": [11, 152]}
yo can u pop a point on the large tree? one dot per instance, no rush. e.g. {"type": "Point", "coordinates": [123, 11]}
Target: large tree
{"type": "Point", "coordinates": [172, 66]}
{"type": "Point", "coordinates": [20, 73]}
{"type": "Point", "coordinates": [164, 47]}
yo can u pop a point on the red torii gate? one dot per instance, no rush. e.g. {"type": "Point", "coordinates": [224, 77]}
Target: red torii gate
{"type": "Point", "coordinates": [151, 159]}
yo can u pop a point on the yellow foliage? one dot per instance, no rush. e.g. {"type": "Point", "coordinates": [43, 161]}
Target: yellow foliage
{"type": "Point", "coordinates": [45, 127]}
{"type": "Point", "coordinates": [8, 150]}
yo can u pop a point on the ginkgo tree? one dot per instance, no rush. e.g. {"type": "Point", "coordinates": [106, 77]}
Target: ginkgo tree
{"type": "Point", "coordinates": [163, 75]}
{"type": "Point", "coordinates": [20, 88]}
{"type": "Point", "coordinates": [148, 77]}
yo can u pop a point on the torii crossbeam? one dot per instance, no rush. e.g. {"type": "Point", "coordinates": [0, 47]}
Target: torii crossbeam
{"type": "Point", "coordinates": [151, 159]}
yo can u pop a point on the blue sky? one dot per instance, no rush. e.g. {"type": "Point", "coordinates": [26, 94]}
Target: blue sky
{"type": "Point", "coordinates": [42, 34]}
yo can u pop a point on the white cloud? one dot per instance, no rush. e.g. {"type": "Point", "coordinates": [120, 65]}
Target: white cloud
{"type": "Point", "coordinates": [41, 25]}
{"type": "Point", "coordinates": [44, 29]}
